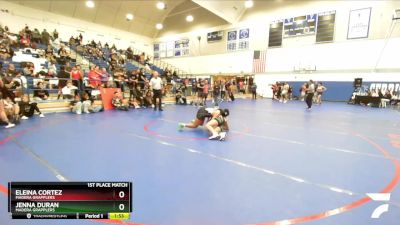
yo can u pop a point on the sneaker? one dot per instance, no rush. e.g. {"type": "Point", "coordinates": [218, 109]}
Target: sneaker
{"type": "Point", "coordinates": [41, 115]}
{"type": "Point", "coordinates": [214, 137]}
{"type": "Point", "coordinates": [284, 101]}
{"type": "Point", "coordinates": [10, 125]}
{"type": "Point", "coordinates": [24, 118]}
{"type": "Point", "coordinates": [160, 109]}
{"type": "Point", "coordinates": [222, 136]}
{"type": "Point", "coordinates": [79, 113]}
{"type": "Point", "coordinates": [181, 126]}
{"type": "Point", "coordinates": [87, 112]}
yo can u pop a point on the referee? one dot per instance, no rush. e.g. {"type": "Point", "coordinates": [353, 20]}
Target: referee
{"type": "Point", "coordinates": [156, 84]}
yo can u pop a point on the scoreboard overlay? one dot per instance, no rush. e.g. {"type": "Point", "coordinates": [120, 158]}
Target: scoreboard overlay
{"type": "Point", "coordinates": [70, 200]}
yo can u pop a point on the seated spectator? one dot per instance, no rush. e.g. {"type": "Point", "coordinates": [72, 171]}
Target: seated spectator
{"type": "Point", "coordinates": [77, 106]}
{"type": "Point", "coordinates": [27, 70]}
{"type": "Point", "coordinates": [4, 52]}
{"type": "Point", "coordinates": [23, 84]}
{"type": "Point", "coordinates": [180, 99]}
{"type": "Point", "coordinates": [40, 93]}
{"type": "Point", "coordinates": [92, 107]}
{"type": "Point", "coordinates": [134, 103]}
{"type": "Point", "coordinates": [11, 71]}
{"type": "Point", "coordinates": [28, 109]}
{"type": "Point", "coordinates": [11, 110]}
{"type": "Point", "coordinates": [3, 114]}
{"type": "Point", "coordinates": [148, 96]}
{"type": "Point", "coordinates": [119, 102]}
{"type": "Point", "coordinates": [69, 90]}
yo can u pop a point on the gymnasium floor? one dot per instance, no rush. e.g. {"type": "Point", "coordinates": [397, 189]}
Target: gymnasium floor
{"type": "Point", "coordinates": [280, 165]}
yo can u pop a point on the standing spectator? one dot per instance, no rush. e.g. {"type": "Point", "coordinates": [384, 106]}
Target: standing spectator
{"type": "Point", "coordinates": [55, 34]}
{"type": "Point", "coordinates": [320, 89]}
{"type": "Point", "coordinates": [205, 91]}
{"type": "Point", "coordinates": [216, 91]}
{"type": "Point", "coordinates": [28, 109]}
{"type": "Point", "coordinates": [303, 90]}
{"type": "Point", "coordinates": [63, 77]}
{"type": "Point", "coordinates": [157, 85]}
{"type": "Point", "coordinates": [254, 90]}
{"type": "Point", "coordinates": [94, 77]}
{"type": "Point", "coordinates": [285, 92]}
{"type": "Point", "coordinates": [76, 76]}
{"type": "Point", "coordinates": [45, 37]}
{"type": "Point", "coordinates": [310, 94]}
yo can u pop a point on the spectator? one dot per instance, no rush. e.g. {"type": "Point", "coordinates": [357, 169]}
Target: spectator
{"type": "Point", "coordinates": [40, 93]}
{"type": "Point", "coordinates": [45, 37]}
{"type": "Point", "coordinates": [88, 104]}
{"type": "Point", "coordinates": [180, 99]}
{"type": "Point", "coordinates": [77, 106]}
{"type": "Point", "coordinates": [3, 114]}
{"type": "Point", "coordinates": [254, 90]}
{"type": "Point", "coordinates": [76, 76]}
{"type": "Point", "coordinates": [119, 102]}
{"type": "Point", "coordinates": [55, 34]}
{"type": "Point", "coordinates": [11, 110]}
{"type": "Point", "coordinates": [36, 37]}
{"type": "Point", "coordinates": [63, 77]}
{"type": "Point", "coordinates": [310, 94]}
{"type": "Point", "coordinates": [94, 77]}
{"type": "Point", "coordinates": [303, 91]}
{"type": "Point", "coordinates": [28, 109]}
{"type": "Point", "coordinates": [320, 90]}
{"type": "Point", "coordinates": [284, 92]}
{"type": "Point", "coordinates": [69, 90]}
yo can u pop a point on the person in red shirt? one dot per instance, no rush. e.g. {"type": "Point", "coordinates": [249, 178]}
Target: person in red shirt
{"type": "Point", "coordinates": [25, 42]}
{"type": "Point", "coordinates": [94, 77]}
{"type": "Point", "coordinates": [76, 76]}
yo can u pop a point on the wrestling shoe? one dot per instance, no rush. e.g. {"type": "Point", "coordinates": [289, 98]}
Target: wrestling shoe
{"type": "Point", "coordinates": [214, 137]}
{"type": "Point", "coordinates": [222, 136]}
{"type": "Point", "coordinates": [24, 118]}
{"type": "Point", "coordinates": [10, 125]}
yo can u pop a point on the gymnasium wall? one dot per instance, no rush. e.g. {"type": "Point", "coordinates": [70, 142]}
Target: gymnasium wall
{"type": "Point", "coordinates": [67, 26]}
{"type": "Point", "coordinates": [339, 85]}
{"type": "Point", "coordinates": [342, 54]}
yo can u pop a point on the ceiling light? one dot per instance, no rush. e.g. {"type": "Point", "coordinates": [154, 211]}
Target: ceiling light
{"type": "Point", "coordinates": [161, 5]}
{"type": "Point", "coordinates": [189, 18]}
{"type": "Point", "coordinates": [248, 4]}
{"type": "Point", "coordinates": [90, 4]}
{"type": "Point", "coordinates": [129, 17]}
{"type": "Point", "coordinates": [159, 26]}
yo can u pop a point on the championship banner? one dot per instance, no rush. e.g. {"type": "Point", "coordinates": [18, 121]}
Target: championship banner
{"type": "Point", "coordinates": [106, 96]}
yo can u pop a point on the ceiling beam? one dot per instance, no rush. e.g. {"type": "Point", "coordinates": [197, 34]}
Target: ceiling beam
{"type": "Point", "coordinates": [208, 5]}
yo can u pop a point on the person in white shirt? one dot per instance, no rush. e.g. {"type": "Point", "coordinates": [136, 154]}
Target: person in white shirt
{"type": "Point", "coordinates": [69, 90]}
{"type": "Point", "coordinates": [156, 85]}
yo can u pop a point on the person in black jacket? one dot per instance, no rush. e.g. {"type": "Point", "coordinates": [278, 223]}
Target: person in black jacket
{"type": "Point", "coordinates": [28, 109]}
